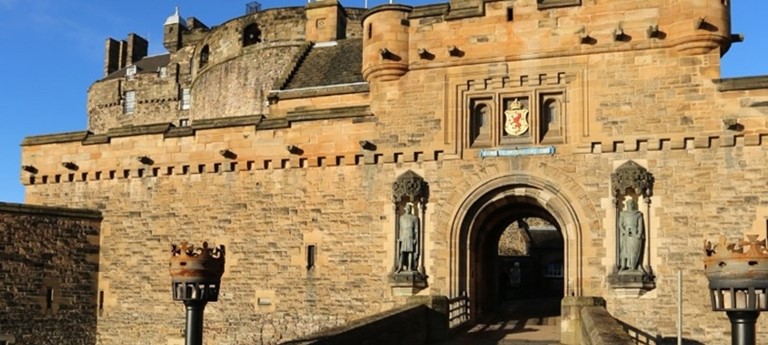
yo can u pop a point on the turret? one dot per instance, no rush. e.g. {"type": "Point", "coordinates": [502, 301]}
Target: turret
{"type": "Point", "coordinates": [172, 29]}
{"type": "Point", "coordinates": [326, 21]}
{"type": "Point", "coordinates": [385, 42]}
{"type": "Point", "coordinates": [697, 26]}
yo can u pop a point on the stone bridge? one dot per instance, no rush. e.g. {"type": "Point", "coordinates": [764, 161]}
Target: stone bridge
{"type": "Point", "coordinates": [439, 320]}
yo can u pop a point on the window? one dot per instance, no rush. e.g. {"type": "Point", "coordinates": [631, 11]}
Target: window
{"type": "Point", "coordinates": [311, 254]}
{"type": "Point", "coordinates": [129, 102]}
{"type": "Point", "coordinates": [251, 35]}
{"type": "Point", "coordinates": [186, 99]}
{"type": "Point", "coordinates": [183, 122]}
{"type": "Point", "coordinates": [49, 299]}
{"type": "Point", "coordinates": [554, 270]}
{"type": "Point", "coordinates": [204, 55]}
{"type": "Point", "coordinates": [130, 71]}
{"type": "Point", "coordinates": [101, 303]}
{"type": "Point", "coordinates": [162, 72]}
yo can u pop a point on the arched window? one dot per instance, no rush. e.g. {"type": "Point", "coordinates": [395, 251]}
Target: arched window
{"type": "Point", "coordinates": [204, 55]}
{"type": "Point", "coordinates": [251, 35]}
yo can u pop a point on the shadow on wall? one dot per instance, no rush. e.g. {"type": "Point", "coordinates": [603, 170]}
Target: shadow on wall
{"type": "Point", "coordinates": [641, 337]}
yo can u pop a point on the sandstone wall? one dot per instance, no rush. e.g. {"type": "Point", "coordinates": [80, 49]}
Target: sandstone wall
{"type": "Point", "coordinates": [235, 81]}
{"type": "Point", "coordinates": [653, 101]}
{"type": "Point", "coordinates": [50, 262]}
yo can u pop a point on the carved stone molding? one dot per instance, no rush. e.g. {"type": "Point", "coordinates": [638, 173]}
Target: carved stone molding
{"type": "Point", "coordinates": [547, 4]}
{"type": "Point", "coordinates": [632, 274]}
{"type": "Point", "coordinates": [411, 185]}
{"type": "Point", "coordinates": [409, 197]}
{"type": "Point", "coordinates": [631, 175]}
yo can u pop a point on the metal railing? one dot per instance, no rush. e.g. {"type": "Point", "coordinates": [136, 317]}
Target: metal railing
{"type": "Point", "coordinates": [458, 310]}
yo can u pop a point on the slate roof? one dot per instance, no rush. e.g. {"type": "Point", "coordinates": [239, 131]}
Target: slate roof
{"type": "Point", "coordinates": [149, 64]}
{"type": "Point", "coordinates": [329, 65]}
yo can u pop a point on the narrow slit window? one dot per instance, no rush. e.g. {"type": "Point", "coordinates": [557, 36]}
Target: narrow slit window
{"type": "Point", "coordinates": [101, 301]}
{"type": "Point", "coordinates": [311, 256]}
{"type": "Point", "coordinates": [49, 298]}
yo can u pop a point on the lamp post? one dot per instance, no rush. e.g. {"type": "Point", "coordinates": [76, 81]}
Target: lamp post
{"type": "Point", "coordinates": [195, 279]}
{"type": "Point", "coordinates": [738, 283]}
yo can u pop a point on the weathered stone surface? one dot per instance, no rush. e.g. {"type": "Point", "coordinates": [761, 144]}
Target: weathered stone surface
{"type": "Point", "coordinates": [49, 262]}
{"type": "Point", "coordinates": [595, 106]}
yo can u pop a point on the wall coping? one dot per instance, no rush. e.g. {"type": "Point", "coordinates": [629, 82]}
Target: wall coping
{"type": "Point", "coordinates": [260, 122]}
{"type": "Point", "coordinates": [742, 83]}
{"type": "Point", "coordinates": [319, 337]}
{"type": "Point", "coordinates": [600, 328]}
{"type": "Point", "coordinates": [50, 211]}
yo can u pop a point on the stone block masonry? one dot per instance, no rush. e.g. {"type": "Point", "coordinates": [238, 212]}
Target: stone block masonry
{"type": "Point", "coordinates": [49, 262]}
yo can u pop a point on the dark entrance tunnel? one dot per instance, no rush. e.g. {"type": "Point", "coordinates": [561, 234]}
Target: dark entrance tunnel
{"type": "Point", "coordinates": [516, 260]}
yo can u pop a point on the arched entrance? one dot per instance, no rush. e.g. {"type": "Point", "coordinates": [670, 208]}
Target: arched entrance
{"type": "Point", "coordinates": [496, 206]}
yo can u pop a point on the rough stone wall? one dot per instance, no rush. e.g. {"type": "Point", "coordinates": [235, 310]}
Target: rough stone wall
{"type": "Point", "coordinates": [649, 101]}
{"type": "Point", "coordinates": [216, 93]}
{"type": "Point", "coordinates": [234, 82]}
{"type": "Point", "coordinates": [49, 275]}
{"type": "Point", "coordinates": [514, 242]}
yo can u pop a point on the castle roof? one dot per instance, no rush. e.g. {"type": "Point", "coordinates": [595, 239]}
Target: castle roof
{"type": "Point", "coordinates": [329, 64]}
{"type": "Point", "coordinates": [149, 64]}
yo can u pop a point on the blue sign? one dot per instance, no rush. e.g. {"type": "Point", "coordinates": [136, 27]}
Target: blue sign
{"type": "Point", "coordinates": [527, 151]}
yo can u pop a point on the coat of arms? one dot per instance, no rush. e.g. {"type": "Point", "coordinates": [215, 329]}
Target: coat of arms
{"type": "Point", "coordinates": [516, 119]}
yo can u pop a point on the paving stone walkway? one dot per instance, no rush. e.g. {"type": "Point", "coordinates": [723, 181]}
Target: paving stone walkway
{"type": "Point", "coordinates": [528, 322]}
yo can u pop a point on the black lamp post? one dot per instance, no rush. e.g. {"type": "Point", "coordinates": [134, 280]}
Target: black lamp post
{"type": "Point", "coordinates": [195, 279]}
{"type": "Point", "coordinates": [738, 283]}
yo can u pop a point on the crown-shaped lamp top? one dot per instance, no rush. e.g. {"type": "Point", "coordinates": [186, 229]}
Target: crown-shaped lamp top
{"type": "Point", "coordinates": [190, 264]}
{"type": "Point", "coordinates": [743, 261]}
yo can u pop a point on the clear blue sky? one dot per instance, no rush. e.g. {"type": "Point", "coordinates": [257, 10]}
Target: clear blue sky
{"type": "Point", "coordinates": [52, 50]}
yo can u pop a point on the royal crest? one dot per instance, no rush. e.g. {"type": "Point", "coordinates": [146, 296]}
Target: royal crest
{"type": "Point", "coordinates": [516, 119]}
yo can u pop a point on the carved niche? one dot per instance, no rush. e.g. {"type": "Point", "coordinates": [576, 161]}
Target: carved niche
{"type": "Point", "coordinates": [631, 183]}
{"type": "Point", "coordinates": [409, 198]}
{"type": "Point", "coordinates": [513, 110]}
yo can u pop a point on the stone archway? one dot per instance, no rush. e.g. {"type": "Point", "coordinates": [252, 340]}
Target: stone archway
{"type": "Point", "coordinates": [484, 213]}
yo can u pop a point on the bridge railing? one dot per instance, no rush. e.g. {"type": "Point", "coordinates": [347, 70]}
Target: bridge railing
{"type": "Point", "coordinates": [458, 311]}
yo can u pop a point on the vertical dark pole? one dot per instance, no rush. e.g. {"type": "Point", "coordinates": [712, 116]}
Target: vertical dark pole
{"type": "Point", "coordinates": [743, 327]}
{"type": "Point", "coordinates": [617, 209]}
{"type": "Point", "coordinates": [647, 221]}
{"type": "Point", "coordinates": [194, 332]}
{"type": "Point", "coordinates": [422, 233]}
{"type": "Point", "coordinates": [396, 264]}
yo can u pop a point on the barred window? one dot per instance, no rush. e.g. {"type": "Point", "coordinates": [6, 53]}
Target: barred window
{"type": "Point", "coordinates": [129, 103]}
{"type": "Point", "coordinates": [186, 99]}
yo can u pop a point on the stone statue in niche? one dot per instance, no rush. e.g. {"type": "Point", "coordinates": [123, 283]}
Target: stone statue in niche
{"type": "Point", "coordinates": [632, 231]}
{"type": "Point", "coordinates": [408, 240]}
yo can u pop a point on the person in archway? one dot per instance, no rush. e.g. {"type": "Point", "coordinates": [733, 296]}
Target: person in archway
{"type": "Point", "coordinates": [408, 240]}
{"type": "Point", "coordinates": [632, 228]}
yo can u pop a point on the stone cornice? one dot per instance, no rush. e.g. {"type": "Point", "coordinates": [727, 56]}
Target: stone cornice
{"type": "Point", "coordinates": [50, 211]}
{"type": "Point", "coordinates": [742, 83]}
{"type": "Point", "coordinates": [259, 122]}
